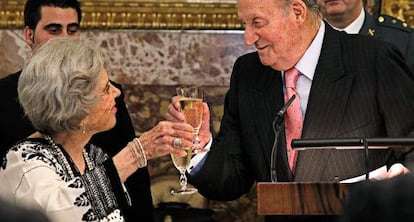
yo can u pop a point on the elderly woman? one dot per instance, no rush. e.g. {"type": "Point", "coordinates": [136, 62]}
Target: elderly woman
{"type": "Point", "coordinates": [66, 93]}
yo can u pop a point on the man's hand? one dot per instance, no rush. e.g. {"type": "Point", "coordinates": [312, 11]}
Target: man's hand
{"type": "Point", "coordinates": [396, 170]}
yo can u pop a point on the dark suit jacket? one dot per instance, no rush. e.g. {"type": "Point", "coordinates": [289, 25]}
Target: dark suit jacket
{"type": "Point", "coordinates": [380, 201]}
{"type": "Point", "coordinates": [361, 88]}
{"type": "Point", "coordinates": [14, 126]}
{"type": "Point", "coordinates": [393, 30]}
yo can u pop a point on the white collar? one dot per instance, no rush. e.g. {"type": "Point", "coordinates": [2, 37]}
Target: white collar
{"type": "Point", "coordinates": [356, 25]}
{"type": "Point", "coordinates": [307, 64]}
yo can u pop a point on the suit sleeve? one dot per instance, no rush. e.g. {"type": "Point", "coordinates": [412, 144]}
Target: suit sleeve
{"type": "Point", "coordinates": [224, 175]}
{"type": "Point", "coordinates": [396, 98]}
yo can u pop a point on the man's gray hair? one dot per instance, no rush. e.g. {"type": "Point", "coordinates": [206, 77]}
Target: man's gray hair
{"type": "Point", "coordinates": [57, 86]}
{"type": "Point", "coordinates": [312, 5]}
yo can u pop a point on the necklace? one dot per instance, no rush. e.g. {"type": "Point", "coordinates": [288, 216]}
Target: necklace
{"type": "Point", "coordinates": [63, 157]}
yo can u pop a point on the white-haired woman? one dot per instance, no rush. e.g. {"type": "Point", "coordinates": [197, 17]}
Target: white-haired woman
{"type": "Point", "coordinates": [66, 93]}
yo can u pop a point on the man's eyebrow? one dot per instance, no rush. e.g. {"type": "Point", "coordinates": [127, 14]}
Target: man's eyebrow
{"type": "Point", "coordinates": [52, 25]}
{"type": "Point", "coordinates": [107, 86]}
{"type": "Point", "coordinates": [57, 25]}
{"type": "Point", "coordinates": [74, 25]}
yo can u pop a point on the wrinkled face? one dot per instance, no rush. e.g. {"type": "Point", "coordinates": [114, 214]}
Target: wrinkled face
{"type": "Point", "coordinates": [270, 27]}
{"type": "Point", "coordinates": [340, 8]}
{"type": "Point", "coordinates": [102, 116]}
{"type": "Point", "coordinates": [54, 22]}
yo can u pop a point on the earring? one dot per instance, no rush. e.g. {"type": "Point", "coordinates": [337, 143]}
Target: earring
{"type": "Point", "coordinates": [83, 127]}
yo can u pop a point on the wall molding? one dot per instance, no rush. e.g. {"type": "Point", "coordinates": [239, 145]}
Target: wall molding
{"type": "Point", "coordinates": [137, 14]}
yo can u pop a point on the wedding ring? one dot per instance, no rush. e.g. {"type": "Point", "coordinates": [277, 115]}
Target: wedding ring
{"type": "Point", "coordinates": [177, 143]}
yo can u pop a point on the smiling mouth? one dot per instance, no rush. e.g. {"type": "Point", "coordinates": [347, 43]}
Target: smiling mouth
{"type": "Point", "coordinates": [261, 47]}
{"type": "Point", "coordinates": [113, 108]}
{"type": "Point", "coordinates": [329, 1]}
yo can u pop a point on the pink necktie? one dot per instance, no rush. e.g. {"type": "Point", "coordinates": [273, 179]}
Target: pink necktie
{"type": "Point", "coordinates": [293, 118]}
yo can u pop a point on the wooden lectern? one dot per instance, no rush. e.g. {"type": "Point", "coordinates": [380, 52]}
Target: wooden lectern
{"type": "Point", "coordinates": [301, 199]}
{"type": "Point", "coordinates": [316, 199]}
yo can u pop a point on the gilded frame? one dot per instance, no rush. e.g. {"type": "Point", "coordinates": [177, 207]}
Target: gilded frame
{"type": "Point", "coordinates": [140, 14]}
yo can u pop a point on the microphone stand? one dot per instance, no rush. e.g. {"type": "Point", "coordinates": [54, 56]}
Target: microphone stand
{"type": "Point", "coordinates": [277, 126]}
{"type": "Point", "coordinates": [365, 143]}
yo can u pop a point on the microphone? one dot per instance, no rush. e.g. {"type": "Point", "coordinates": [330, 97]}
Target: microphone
{"type": "Point", "coordinates": [281, 114]}
{"type": "Point", "coordinates": [277, 125]}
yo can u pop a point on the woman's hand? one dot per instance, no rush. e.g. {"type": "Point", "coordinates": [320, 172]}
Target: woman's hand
{"type": "Point", "coordinates": [159, 141]}
{"type": "Point", "coordinates": [156, 142]}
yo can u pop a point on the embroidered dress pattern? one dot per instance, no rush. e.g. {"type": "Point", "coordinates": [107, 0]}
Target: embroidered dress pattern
{"type": "Point", "coordinates": [90, 194]}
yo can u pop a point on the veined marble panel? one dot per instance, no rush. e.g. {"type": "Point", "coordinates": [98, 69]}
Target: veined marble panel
{"type": "Point", "coordinates": [13, 51]}
{"type": "Point", "coordinates": [150, 58]}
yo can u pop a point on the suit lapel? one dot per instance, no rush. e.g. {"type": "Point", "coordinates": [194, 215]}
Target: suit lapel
{"type": "Point", "coordinates": [329, 92]}
{"type": "Point", "coordinates": [328, 97]}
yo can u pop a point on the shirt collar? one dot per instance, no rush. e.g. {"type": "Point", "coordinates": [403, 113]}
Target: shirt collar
{"type": "Point", "coordinates": [356, 25]}
{"type": "Point", "coordinates": [307, 64]}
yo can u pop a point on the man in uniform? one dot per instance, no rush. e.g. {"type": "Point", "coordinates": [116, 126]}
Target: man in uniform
{"type": "Point", "coordinates": [351, 17]}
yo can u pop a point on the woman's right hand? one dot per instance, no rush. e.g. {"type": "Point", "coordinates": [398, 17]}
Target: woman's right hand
{"type": "Point", "coordinates": [174, 114]}
{"type": "Point", "coordinates": [159, 141]}
{"type": "Point", "coordinates": [156, 142]}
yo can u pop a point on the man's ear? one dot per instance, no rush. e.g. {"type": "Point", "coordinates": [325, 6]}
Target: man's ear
{"type": "Point", "coordinates": [29, 36]}
{"type": "Point", "coordinates": [299, 9]}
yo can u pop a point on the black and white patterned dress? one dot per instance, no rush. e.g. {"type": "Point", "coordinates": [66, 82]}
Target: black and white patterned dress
{"type": "Point", "coordinates": [39, 175]}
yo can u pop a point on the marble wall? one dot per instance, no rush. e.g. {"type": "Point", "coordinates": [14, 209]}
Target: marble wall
{"type": "Point", "coordinates": [149, 65]}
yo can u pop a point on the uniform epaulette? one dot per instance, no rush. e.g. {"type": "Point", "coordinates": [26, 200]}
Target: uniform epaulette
{"type": "Point", "coordinates": [392, 22]}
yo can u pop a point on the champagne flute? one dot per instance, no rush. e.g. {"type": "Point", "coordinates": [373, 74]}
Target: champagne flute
{"type": "Point", "coordinates": [182, 163]}
{"type": "Point", "coordinates": [191, 102]}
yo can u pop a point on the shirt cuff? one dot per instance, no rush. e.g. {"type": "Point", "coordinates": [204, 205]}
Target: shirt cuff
{"type": "Point", "coordinates": [198, 159]}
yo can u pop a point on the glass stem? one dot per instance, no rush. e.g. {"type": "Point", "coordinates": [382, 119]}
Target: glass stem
{"type": "Point", "coordinates": [183, 181]}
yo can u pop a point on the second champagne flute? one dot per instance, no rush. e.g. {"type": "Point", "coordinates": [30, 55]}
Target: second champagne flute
{"type": "Point", "coordinates": [181, 163]}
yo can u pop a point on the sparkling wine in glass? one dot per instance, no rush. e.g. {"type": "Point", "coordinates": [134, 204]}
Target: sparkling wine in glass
{"type": "Point", "coordinates": [192, 107]}
{"type": "Point", "coordinates": [182, 163]}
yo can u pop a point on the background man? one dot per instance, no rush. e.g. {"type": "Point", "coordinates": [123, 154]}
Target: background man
{"type": "Point", "coordinates": [350, 16]}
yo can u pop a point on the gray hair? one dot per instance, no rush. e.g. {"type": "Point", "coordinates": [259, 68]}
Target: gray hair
{"type": "Point", "coordinates": [315, 14]}
{"type": "Point", "coordinates": [57, 86]}
{"type": "Point", "coordinates": [312, 5]}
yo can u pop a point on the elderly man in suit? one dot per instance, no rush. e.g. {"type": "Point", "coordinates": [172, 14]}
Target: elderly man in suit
{"type": "Point", "coordinates": [348, 86]}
